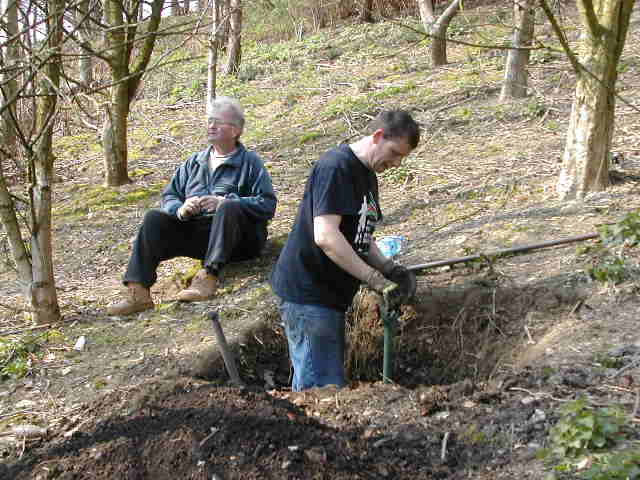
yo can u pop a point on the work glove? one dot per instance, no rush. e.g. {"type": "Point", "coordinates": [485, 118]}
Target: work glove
{"type": "Point", "coordinates": [404, 277]}
{"type": "Point", "coordinates": [378, 283]}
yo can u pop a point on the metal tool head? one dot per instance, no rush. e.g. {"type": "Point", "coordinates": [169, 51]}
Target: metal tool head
{"type": "Point", "coordinates": [393, 297]}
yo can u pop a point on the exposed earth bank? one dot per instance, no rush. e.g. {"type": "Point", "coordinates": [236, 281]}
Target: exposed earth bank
{"type": "Point", "coordinates": [490, 426]}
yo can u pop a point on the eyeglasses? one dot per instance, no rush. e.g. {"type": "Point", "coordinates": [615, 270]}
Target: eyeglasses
{"type": "Point", "coordinates": [216, 122]}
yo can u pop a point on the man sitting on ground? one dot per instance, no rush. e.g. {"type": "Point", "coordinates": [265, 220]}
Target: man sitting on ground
{"type": "Point", "coordinates": [216, 209]}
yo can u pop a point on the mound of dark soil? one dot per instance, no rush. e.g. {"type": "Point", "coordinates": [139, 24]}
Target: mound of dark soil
{"type": "Point", "coordinates": [177, 429]}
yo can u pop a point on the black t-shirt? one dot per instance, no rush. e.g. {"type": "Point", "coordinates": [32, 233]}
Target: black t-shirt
{"type": "Point", "coordinates": [339, 184]}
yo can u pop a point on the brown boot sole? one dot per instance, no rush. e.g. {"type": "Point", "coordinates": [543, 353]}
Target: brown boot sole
{"type": "Point", "coordinates": [117, 311]}
{"type": "Point", "coordinates": [192, 296]}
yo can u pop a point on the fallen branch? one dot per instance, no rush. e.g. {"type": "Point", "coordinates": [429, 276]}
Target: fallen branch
{"type": "Point", "coordinates": [538, 394]}
{"type": "Point", "coordinates": [15, 309]}
{"type": "Point", "coordinates": [16, 332]}
{"type": "Point", "coordinates": [633, 364]}
{"type": "Point", "coordinates": [21, 412]}
{"type": "Point", "coordinates": [443, 450]}
{"type": "Point", "coordinates": [38, 327]}
{"type": "Point", "coordinates": [214, 430]}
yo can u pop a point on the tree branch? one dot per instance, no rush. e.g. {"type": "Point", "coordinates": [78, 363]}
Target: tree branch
{"type": "Point", "coordinates": [9, 219]}
{"type": "Point", "coordinates": [561, 36]}
{"type": "Point", "coordinates": [575, 63]}
{"type": "Point", "coordinates": [450, 12]}
{"type": "Point", "coordinates": [147, 48]}
{"type": "Point", "coordinates": [592, 24]}
{"type": "Point", "coordinates": [625, 12]}
{"type": "Point", "coordinates": [488, 46]}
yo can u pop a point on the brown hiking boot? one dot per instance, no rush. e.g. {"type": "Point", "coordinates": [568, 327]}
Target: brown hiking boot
{"type": "Point", "coordinates": [138, 300]}
{"type": "Point", "coordinates": [203, 287]}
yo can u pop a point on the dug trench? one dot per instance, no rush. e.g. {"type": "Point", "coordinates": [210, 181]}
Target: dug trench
{"type": "Point", "coordinates": [453, 408]}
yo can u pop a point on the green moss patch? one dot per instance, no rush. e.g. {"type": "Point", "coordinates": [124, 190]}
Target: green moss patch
{"type": "Point", "coordinates": [100, 198]}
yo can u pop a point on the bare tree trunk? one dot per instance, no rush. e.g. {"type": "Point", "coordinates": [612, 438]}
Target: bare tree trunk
{"type": "Point", "coordinates": [42, 292]}
{"type": "Point", "coordinates": [84, 33]}
{"type": "Point", "coordinates": [114, 130]}
{"type": "Point", "coordinates": [174, 8]}
{"type": "Point", "coordinates": [10, 59]}
{"type": "Point", "coordinates": [427, 14]}
{"type": "Point", "coordinates": [9, 220]}
{"type": "Point", "coordinates": [114, 137]}
{"type": "Point", "coordinates": [214, 46]}
{"type": "Point", "coordinates": [119, 40]}
{"type": "Point", "coordinates": [11, 225]}
{"type": "Point", "coordinates": [366, 11]}
{"type": "Point", "coordinates": [26, 106]}
{"type": "Point", "coordinates": [515, 74]}
{"type": "Point", "coordinates": [186, 7]}
{"type": "Point", "coordinates": [585, 165]}
{"type": "Point", "coordinates": [234, 48]}
{"type": "Point", "coordinates": [437, 29]}
{"type": "Point", "coordinates": [318, 11]}
{"type": "Point", "coordinates": [224, 13]}
{"type": "Point", "coordinates": [8, 142]}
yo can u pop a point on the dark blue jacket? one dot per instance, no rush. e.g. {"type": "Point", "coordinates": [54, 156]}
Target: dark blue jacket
{"type": "Point", "coordinates": [242, 177]}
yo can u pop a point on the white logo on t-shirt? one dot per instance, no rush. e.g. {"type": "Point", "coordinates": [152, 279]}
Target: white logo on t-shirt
{"type": "Point", "coordinates": [367, 220]}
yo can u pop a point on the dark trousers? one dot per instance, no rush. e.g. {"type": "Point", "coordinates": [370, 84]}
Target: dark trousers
{"type": "Point", "coordinates": [227, 236]}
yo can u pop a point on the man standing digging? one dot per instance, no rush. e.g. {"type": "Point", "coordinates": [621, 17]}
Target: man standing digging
{"type": "Point", "coordinates": [330, 249]}
{"type": "Point", "coordinates": [215, 208]}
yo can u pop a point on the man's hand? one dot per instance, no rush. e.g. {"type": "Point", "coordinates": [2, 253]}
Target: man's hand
{"type": "Point", "coordinates": [404, 277]}
{"type": "Point", "coordinates": [210, 203]}
{"type": "Point", "coordinates": [190, 207]}
{"type": "Point", "coordinates": [378, 283]}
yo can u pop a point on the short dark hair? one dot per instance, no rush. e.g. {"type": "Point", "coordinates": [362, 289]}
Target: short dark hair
{"type": "Point", "coordinates": [397, 123]}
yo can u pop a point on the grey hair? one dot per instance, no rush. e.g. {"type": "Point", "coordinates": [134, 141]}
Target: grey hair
{"type": "Point", "coordinates": [227, 104]}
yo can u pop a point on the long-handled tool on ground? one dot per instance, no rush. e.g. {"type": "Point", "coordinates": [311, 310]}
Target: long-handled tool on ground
{"type": "Point", "coordinates": [390, 309]}
{"type": "Point", "coordinates": [500, 253]}
{"type": "Point", "coordinates": [227, 356]}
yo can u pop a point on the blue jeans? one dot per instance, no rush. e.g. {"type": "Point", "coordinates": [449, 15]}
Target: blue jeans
{"type": "Point", "coordinates": [316, 344]}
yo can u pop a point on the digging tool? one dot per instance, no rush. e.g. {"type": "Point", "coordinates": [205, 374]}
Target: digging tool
{"type": "Point", "coordinates": [500, 253]}
{"type": "Point", "coordinates": [229, 362]}
{"type": "Point", "coordinates": [390, 312]}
